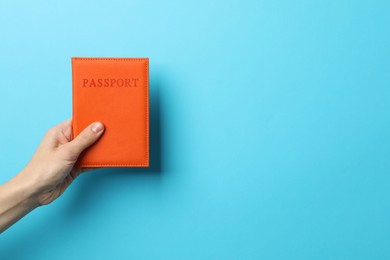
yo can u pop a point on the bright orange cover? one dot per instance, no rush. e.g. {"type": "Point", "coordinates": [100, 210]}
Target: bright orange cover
{"type": "Point", "coordinates": [115, 92]}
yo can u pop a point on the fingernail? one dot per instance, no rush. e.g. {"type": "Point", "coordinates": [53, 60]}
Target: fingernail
{"type": "Point", "coordinates": [97, 127]}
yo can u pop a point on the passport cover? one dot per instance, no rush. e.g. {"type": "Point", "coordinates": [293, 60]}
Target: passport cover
{"type": "Point", "coordinates": [114, 91]}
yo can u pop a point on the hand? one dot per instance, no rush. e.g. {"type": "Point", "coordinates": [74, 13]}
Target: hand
{"type": "Point", "coordinates": [49, 172]}
{"type": "Point", "coordinates": [51, 169]}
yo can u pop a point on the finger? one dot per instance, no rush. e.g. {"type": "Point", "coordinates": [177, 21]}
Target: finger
{"type": "Point", "coordinates": [66, 128]}
{"type": "Point", "coordinates": [65, 184]}
{"type": "Point", "coordinates": [86, 138]}
{"type": "Point", "coordinates": [61, 132]}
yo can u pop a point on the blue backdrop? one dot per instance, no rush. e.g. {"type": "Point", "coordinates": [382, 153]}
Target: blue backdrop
{"type": "Point", "coordinates": [270, 129]}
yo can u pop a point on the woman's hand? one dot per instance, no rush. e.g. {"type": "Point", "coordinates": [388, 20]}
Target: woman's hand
{"type": "Point", "coordinates": [49, 172]}
{"type": "Point", "coordinates": [51, 169]}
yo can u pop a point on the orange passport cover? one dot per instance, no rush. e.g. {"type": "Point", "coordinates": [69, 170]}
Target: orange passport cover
{"type": "Point", "coordinates": [115, 92]}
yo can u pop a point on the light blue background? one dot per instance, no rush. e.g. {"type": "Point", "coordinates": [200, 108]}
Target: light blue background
{"type": "Point", "coordinates": [269, 120]}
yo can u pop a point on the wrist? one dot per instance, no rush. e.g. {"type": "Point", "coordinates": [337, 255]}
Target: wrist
{"type": "Point", "coordinates": [25, 191]}
{"type": "Point", "coordinates": [17, 198]}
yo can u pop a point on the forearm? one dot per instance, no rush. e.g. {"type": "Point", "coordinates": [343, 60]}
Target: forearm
{"type": "Point", "coordinates": [16, 200]}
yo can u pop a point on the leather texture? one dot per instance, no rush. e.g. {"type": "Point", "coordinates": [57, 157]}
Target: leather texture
{"type": "Point", "coordinates": [114, 91]}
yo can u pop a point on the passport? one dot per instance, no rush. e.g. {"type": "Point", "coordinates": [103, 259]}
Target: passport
{"type": "Point", "coordinates": [114, 91]}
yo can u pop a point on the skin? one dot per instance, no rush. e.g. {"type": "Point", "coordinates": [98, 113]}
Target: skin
{"type": "Point", "coordinates": [49, 172]}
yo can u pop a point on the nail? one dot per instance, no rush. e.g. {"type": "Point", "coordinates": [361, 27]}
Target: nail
{"type": "Point", "coordinates": [97, 127]}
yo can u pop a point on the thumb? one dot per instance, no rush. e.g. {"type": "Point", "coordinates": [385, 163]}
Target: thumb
{"type": "Point", "coordinates": [86, 138]}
